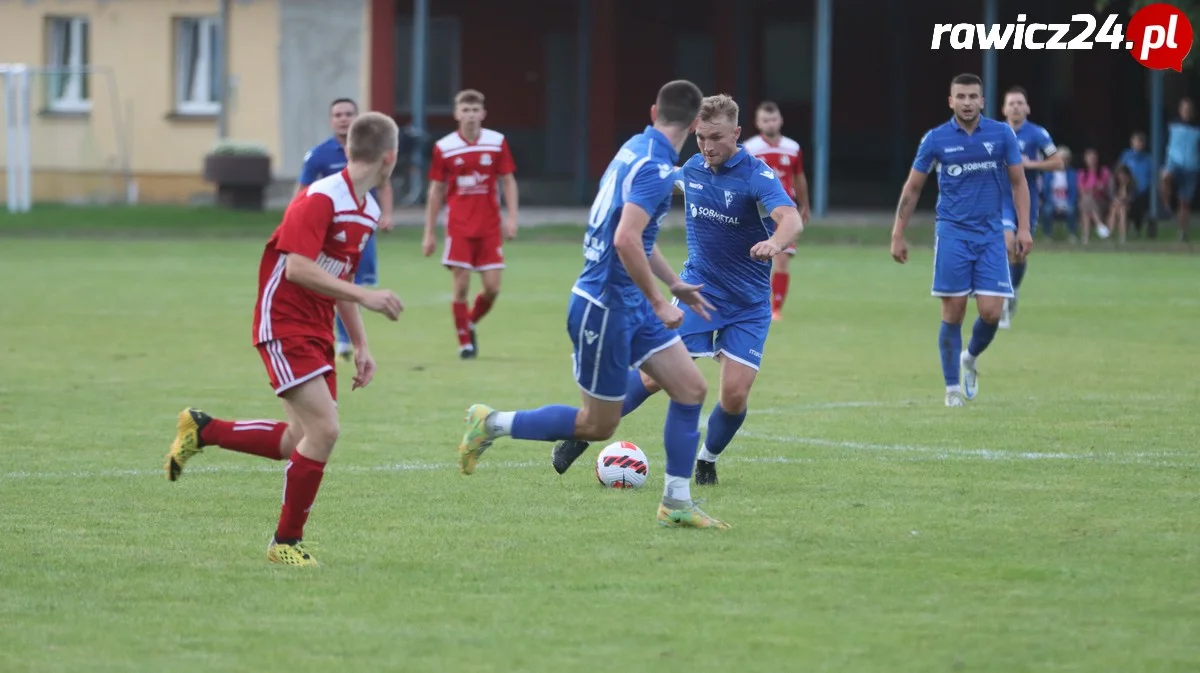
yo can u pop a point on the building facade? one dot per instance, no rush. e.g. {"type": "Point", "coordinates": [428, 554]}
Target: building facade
{"type": "Point", "coordinates": [131, 86]}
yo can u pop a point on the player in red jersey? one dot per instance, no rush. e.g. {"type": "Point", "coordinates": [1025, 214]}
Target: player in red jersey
{"type": "Point", "coordinates": [305, 273]}
{"type": "Point", "coordinates": [468, 171]}
{"type": "Point", "coordinates": [782, 154]}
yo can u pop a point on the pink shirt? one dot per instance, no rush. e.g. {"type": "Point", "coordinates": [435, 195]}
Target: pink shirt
{"type": "Point", "coordinates": [1094, 184]}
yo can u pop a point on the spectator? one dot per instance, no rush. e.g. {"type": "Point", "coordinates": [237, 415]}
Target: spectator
{"type": "Point", "coordinates": [1060, 197]}
{"type": "Point", "coordinates": [1140, 165]}
{"type": "Point", "coordinates": [1094, 183]}
{"type": "Point", "coordinates": [1123, 194]}
{"type": "Point", "coordinates": [1183, 164]}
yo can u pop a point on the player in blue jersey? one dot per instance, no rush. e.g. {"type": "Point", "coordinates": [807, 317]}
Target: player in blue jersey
{"type": "Point", "coordinates": [617, 317]}
{"type": "Point", "coordinates": [326, 159]}
{"type": "Point", "coordinates": [739, 218]}
{"type": "Point", "coordinates": [1039, 154]}
{"type": "Point", "coordinates": [977, 159]}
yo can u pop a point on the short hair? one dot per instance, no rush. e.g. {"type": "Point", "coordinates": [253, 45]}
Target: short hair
{"type": "Point", "coordinates": [1017, 89]}
{"type": "Point", "coordinates": [469, 97]}
{"type": "Point", "coordinates": [719, 108]}
{"type": "Point", "coordinates": [768, 106]}
{"type": "Point", "coordinates": [1140, 135]}
{"type": "Point", "coordinates": [678, 102]}
{"type": "Point", "coordinates": [338, 101]}
{"type": "Point", "coordinates": [371, 136]}
{"type": "Point", "coordinates": [966, 79]}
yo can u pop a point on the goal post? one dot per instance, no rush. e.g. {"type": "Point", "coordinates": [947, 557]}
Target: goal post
{"type": "Point", "coordinates": [66, 137]}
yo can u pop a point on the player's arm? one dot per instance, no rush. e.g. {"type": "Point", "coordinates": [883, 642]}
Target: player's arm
{"type": "Point", "coordinates": [677, 180]}
{"type": "Point", "coordinates": [661, 268]}
{"type": "Point", "coordinates": [800, 180]}
{"type": "Point", "coordinates": [1051, 159]}
{"type": "Point", "coordinates": [300, 238]}
{"type": "Point", "coordinates": [387, 201]}
{"type": "Point", "coordinates": [508, 187]}
{"type": "Point", "coordinates": [435, 198]}
{"type": "Point", "coordinates": [628, 242]}
{"type": "Point", "coordinates": [352, 320]}
{"type": "Point", "coordinates": [774, 199]}
{"type": "Point", "coordinates": [1020, 193]}
{"type": "Point", "coordinates": [911, 192]}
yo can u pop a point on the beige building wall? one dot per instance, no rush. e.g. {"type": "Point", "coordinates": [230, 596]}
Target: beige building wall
{"type": "Point", "coordinates": [133, 119]}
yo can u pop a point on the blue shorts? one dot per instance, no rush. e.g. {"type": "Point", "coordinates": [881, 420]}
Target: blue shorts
{"type": "Point", "coordinates": [608, 342]}
{"type": "Point", "coordinates": [964, 267]}
{"type": "Point", "coordinates": [738, 333]}
{"type": "Point", "coordinates": [1183, 181]}
{"type": "Point", "coordinates": [368, 265]}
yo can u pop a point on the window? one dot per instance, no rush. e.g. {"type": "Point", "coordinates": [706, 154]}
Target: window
{"type": "Point", "coordinates": [443, 57]}
{"type": "Point", "coordinates": [788, 61]}
{"type": "Point", "coordinates": [67, 85]}
{"type": "Point", "coordinates": [197, 45]}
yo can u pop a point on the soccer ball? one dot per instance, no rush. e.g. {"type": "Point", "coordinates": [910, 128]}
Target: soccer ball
{"type": "Point", "coordinates": [622, 465]}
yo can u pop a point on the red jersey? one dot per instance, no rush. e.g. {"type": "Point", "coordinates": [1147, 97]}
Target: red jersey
{"type": "Point", "coordinates": [472, 174]}
{"type": "Point", "coordinates": [784, 157]}
{"type": "Point", "coordinates": [324, 223]}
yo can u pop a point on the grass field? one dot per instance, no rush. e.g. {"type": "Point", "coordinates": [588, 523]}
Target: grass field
{"type": "Point", "coordinates": [1049, 526]}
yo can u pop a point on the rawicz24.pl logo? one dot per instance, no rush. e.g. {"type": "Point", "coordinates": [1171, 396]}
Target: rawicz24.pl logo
{"type": "Point", "coordinates": [1158, 36]}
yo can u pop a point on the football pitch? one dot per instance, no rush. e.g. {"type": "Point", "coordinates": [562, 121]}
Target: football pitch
{"type": "Point", "coordinates": [1051, 525]}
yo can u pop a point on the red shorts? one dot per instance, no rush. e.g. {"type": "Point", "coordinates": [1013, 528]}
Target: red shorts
{"type": "Point", "coordinates": [475, 253]}
{"type": "Point", "coordinates": [291, 361]}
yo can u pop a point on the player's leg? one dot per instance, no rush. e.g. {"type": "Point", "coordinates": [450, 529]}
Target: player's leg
{"type": "Point", "coordinates": [780, 279]}
{"type": "Point", "coordinates": [697, 335]}
{"type": "Point", "coordinates": [1010, 245]}
{"type": "Point", "coordinates": [457, 256]}
{"type": "Point", "coordinates": [992, 286]}
{"type": "Point", "coordinates": [675, 370]}
{"type": "Point", "coordinates": [601, 341]}
{"type": "Point", "coordinates": [489, 262]}
{"type": "Point", "coordinates": [1185, 191]}
{"type": "Point", "coordinates": [740, 347]}
{"type": "Point", "coordinates": [953, 260]}
{"type": "Point", "coordinates": [286, 361]}
{"type": "Point", "coordinates": [313, 404]}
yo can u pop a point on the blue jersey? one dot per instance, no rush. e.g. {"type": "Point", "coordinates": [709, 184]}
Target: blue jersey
{"type": "Point", "coordinates": [973, 181]}
{"type": "Point", "coordinates": [1183, 145]}
{"type": "Point", "coordinates": [324, 160]}
{"type": "Point", "coordinates": [1036, 144]}
{"type": "Point", "coordinates": [641, 173]}
{"type": "Point", "coordinates": [728, 212]}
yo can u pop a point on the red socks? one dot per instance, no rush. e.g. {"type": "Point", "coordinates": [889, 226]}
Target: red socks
{"type": "Point", "coordinates": [257, 438]}
{"type": "Point", "coordinates": [483, 304]}
{"type": "Point", "coordinates": [779, 289]}
{"type": "Point", "coordinates": [301, 480]}
{"type": "Point", "coordinates": [462, 321]}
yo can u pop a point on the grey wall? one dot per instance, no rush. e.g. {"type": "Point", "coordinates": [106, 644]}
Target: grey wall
{"type": "Point", "coordinates": [320, 56]}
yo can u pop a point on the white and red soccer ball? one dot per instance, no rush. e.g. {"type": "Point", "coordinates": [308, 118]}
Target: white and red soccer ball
{"type": "Point", "coordinates": [622, 465]}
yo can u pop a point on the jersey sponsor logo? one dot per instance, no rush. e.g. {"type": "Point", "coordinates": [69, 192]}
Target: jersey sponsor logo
{"type": "Point", "coordinates": [472, 183]}
{"type": "Point", "coordinates": [696, 186]}
{"type": "Point", "coordinates": [703, 213]}
{"type": "Point", "coordinates": [952, 150]}
{"type": "Point", "coordinates": [955, 170]}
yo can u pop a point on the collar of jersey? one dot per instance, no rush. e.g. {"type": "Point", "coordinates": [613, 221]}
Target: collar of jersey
{"type": "Point", "coordinates": [657, 135]}
{"type": "Point", "coordinates": [959, 129]}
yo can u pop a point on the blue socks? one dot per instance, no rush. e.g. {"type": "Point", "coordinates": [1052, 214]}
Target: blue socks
{"type": "Point", "coordinates": [950, 345]}
{"type": "Point", "coordinates": [635, 393]}
{"type": "Point", "coordinates": [681, 438]}
{"type": "Point", "coordinates": [1017, 274]}
{"type": "Point", "coordinates": [981, 335]}
{"type": "Point", "coordinates": [546, 424]}
{"type": "Point", "coordinates": [722, 426]}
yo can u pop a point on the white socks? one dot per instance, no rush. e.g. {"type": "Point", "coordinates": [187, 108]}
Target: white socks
{"type": "Point", "coordinates": [953, 389]}
{"type": "Point", "coordinates": [678, 489]}
{"type": "Point", "coordinates": [706, 456]}
{"type": "Point", "coordinates": [499, 424]}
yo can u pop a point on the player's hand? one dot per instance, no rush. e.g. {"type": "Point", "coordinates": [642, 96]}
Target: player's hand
{"type": "Point", "coordinates": [899, 249]}
{"type": "Point", "coordinates": [509, 228]}
{"type": "Point", "coordinates": [805, 214]}
{"type": "Point", "coordinates": [669, 314]}
{"type": "Point", "coordinates": [383, 301]}
{"type": "Point", "coordinates": [690, 295]}
{"type": "Point", "coordinates": [364, 368]}
{"type": "Point", "coordinates": [765, 250]}
{"type": "Point", "coordinates": [428, 245]}
{"type": "Point", "coordinates": [1024, 244]}
{"type": "Point", "coordinates": [386, 223]}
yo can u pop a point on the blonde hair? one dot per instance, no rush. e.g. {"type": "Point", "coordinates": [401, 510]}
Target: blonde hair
{"type": "Point", "coordinates": [371, 136]}
{"type": "Point", "coordinates": [469, 97]}
{"type": "Point", "coordinates": [714, 109]}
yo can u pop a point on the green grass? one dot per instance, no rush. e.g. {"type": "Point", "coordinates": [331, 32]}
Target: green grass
{"type": "Point", "coordinates": [1048, 526]}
